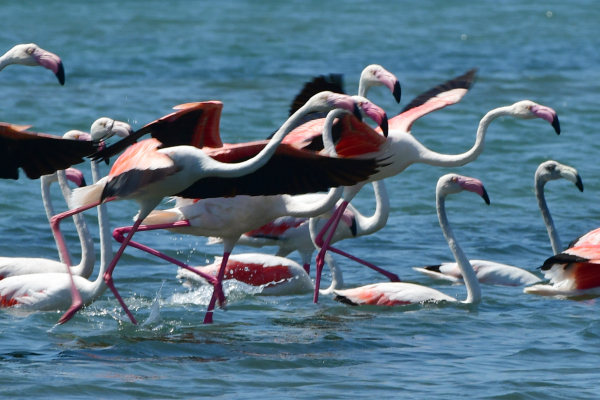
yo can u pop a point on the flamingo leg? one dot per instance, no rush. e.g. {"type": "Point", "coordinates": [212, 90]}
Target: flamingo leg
{"type": "Point", "coordinates": [208, 318]}
{"type": "Point", "coordinates": [391, 276]}
{"type": "Point", "coordinates": [119, 233]}
{"type": "Point", "coordinates": [336, 217]}
{"type": "Point", "coordinates": [77, 302]}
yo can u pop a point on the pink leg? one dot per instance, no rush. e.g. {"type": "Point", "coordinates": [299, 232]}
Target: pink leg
{"type": "Point", "coordinates": [208, 318]}
{"type": "Point", "coordinates": [391, 276]}
{"type": "Point", "coordinates": [77, 302]}
{"type": "Point", "coordinates": [118, 234]}
{"type": "Point", "coordinates": [336, 217]}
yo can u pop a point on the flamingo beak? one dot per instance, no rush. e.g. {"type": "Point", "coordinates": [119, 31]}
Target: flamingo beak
{"type": "Point", "coordinates": [579, 183]}
{"type": "Point", "coordinates": [571, 175]}
{"type": "Point", "coordinates": [50, 61]}
{"type": "Point", "coordinates": [391, 82]}
{"type": "Point", "coordinates": [121, 129]}
{"type": "Point", "coordinates": [377, 114]}
{"type": "Point", "coordinates": [384, 125]}
{"type": "Point", "coordinates": [397, 92]}
{"type": "Point", "coordinates": [475, 186]}
{"type": "Point", "coordinates": [485, 196]}
{"type": "Point", "coordinates": [75, 176]}
{"type": "Point", "coordinates": [356, 112]}
{"type": "Point", "coordinates": [547, 114]}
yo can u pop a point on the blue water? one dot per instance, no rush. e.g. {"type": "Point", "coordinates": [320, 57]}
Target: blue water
{"type": "Point", "coordinates": [134, 60]}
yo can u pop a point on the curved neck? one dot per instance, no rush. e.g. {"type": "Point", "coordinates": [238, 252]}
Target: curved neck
{"type": "Point", "coordinates": [5, 60]}
{"type": "Point", "coordinates": [372, 224]}
{"type": "Point", "coordinates": [429, 157]}
{"type": "Point", "coordinates": [327, 131]}
{"type": "Point", "coordinates": [557, 246]}
{"type": "Point", "coordinates": [297, 206]}
{"type": "Point", "coordinates": [363, 88]}
{"type": "Point", "coordinates": [337, 279]}
{"type": "Point", "coordinates": [238, 169]}
{"type": "Point", "coordinates": [46, 181]}
{"type": "Point", "coordinates": [106, 253]}
{"type": "Point", "coordinates": [469, 276]}
{"type": "Point", "coordinates": [88, 253]}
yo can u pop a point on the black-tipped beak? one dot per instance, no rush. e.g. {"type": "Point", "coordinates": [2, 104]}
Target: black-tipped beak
{"type": "Point", "coordinates": [397, 91]}
{"type": "Point", "coordinates": [357, 113]}
{"type": "Point", "coordinates": [384, 125]}
{"type": "Point", "coordinates": [579, 183]}
{"type": "Point", "coordinates": [83, 182]}
{"type": "Point", "coordinates": [556, 125]}
{"type": "Point", "coordinates": [485, 197]}
{"type": "Point", "coordinates": [60, 74]}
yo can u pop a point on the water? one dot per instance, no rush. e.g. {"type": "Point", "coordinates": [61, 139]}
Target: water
{"type": "Point", "coordinates": [135, 60]}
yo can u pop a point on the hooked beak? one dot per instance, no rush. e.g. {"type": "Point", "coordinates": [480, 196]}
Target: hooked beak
{"type": "Point", "coordinates": [571, 175]}
{"type": "Point", "coordinates": [376, 113]}
{"type": "Point", "coordinates": [75, 176]}
{"type": "Point", "coordinates": [52, 62]}
{"type": "Point", "coordinates": [547, 114]}
{"type": "Point", "coordinates": [475, 186]}
{"type": "Point", "coordinates": [391, 82]}
{"type": "Point", "coordinates": [121, 129]}
{"type": "Point", "coordinates": [397, 92]}
{"type": "Point", "coordinates": [356, 112]}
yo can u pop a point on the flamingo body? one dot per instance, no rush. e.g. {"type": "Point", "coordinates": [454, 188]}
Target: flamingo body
{"type": "Point", "coordinates": [390, 294]}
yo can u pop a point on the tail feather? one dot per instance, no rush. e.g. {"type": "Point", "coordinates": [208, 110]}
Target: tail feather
{"type": "Point", "coordinates": [345, 300]}
{"type": "Point", "coordinates": [86, 195]}
{"type": "Point", "coordinates": [161, 217]}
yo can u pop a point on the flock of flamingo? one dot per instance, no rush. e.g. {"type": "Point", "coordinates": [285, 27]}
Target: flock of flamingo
{"type": "Point", "coordinates": [264, 193]}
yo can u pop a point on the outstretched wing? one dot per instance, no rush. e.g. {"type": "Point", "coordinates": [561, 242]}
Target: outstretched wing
{"type": "Point", "coordinates": [446, 94]}
{"type": "Point", "coordinates": [37, 153]}
{"type": "Point", "coordinates": [332, 82]}
{"type": "Point", "coordinates": [289, 171]}
{"type": "Point", "coordinates": [193, 124]}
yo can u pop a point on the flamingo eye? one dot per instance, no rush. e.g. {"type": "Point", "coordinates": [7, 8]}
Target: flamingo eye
{"type": "Point", "coordinates": [551, 167]}
{"type": "Point", "coordinates": [29, 51]}
{"type": "Point", "coordinates": [455, 179]}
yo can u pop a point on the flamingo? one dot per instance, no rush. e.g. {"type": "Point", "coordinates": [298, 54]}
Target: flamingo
{"type": "Point", "coordinates": [147, 174]}
{"type": "Point", "coordinates": [32, 55]}
{"type": "Point", "coordinates": [494, 273]}
{"type": "Point", "coordinates": [53, 291]}
{"type": "Point", "coordinates": [292, 234]}
{"type": "Point", "coordinates": [229, 218]}
{"type": "Point", "coordinates": [400, 150]}
{"type": "Point", "coordinates": [12, 266]}
{"type": "Point", "coordinates": [276, 275]}
{"type": "Point", "coordinates": [401, 293]}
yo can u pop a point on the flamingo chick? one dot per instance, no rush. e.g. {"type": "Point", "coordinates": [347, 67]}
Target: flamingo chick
{"type": "Point", "coordinates": [494, 273]}
{"type": "Point", "coordinates": [400, 293]}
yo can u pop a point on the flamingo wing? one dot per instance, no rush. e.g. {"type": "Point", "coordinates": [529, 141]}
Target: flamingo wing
{"type": "Point", "coordinates": [274, 229]}
{"type": "Point", "coordinates": [139, 166]}
{"type": "Point", "coordinates": [386, 294]}
{"type": "Point", "coordinates": [590, 238]}
{"type": "Point", "coordinates": [289, 171]}
{"type": "Point", "coordinates": [37, 153]}
{"type": "Point", "coordinates": [332, 83]}
{"type": "Point", "coordinates": [193, 124]}
{"type": "Point", "coordinates": [446, 94]}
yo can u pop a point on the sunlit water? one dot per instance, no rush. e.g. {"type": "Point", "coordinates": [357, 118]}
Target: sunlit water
{"type": "Point", "coordinates": [134, 60]}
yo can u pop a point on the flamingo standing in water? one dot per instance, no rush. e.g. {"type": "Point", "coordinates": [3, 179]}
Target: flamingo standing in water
{"type": "Point", "coordinates": [147, 174]}
{"type": "Point", "coordinates": [277, 276]}
{"type": "Point", "coordinates": [400, 293]}
{"type": "Point", "coordinates": [494, 273]}
{"type": "Point", "coordinates": [292, 234]}
{"type": "Point", "coordinates": [53, 291]}
{"type": "Point", "coordinates": [400, 150]}
{"type": "Point", "coordinates": [231, 217]}
{"type": "Point", "coordinates": [32, 55]}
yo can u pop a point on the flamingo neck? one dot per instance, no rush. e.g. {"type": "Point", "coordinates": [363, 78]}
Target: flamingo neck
{"type": "Point", "coordinates": [469, 276]}
{"type": "Point", "coordinates": [46, 181]}
{"type": "Point", "coordinates": [296, 207]}
{"type": "Point", "coordinates": [226, 170]}
{"type": "Point", "coordinates": [327, 134]}
{"type": "Point", "coordinates": [337, 279]}
{"type": "Point", "coordinates": [88, 253]}
{"type": "Point", "coordinates": [106, 252]}
{"type": "Point", "coordinates": [555, 241]}
{"type": "Point", "coordinates": [363, 87]}
{"type": "Point", "coordinates": [5, 60]}
{"type": "Point", "coordinates": [429, 157]}
{"type": "Point", "coordinates": [376, 222]}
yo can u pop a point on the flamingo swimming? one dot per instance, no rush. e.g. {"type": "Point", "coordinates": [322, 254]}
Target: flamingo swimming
{"type": "Point", "coordinates": [53, 291]}
{"type": "Point", "coordinates": [400, 149]}
{"type": "Point", "coordinates": [147, 174]}
{"type": "Point", "coordinates": [276, 275]}
{"type": "Point", "coordinates": [494, 273]}
{"type": "Point", "coordinates": [401, 293]}
{"type": "Point", "coordinates": [32, 55]}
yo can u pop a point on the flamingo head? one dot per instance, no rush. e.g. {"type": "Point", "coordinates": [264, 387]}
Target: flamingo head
{"type": "Point", "coordinates": [552, 170]}
{"type": "Point", "coordinates": [374, 112]}
{"type": "Point", "coordinates": [376, 75]}
{"type": "Point", "coordinates": [32, 55]}
{"type": "Point", "coordinates": [454, 183]}
{"type": "Point", "coordinates": [77, 135]}
{"type": "Point", "coordinates": [105, 128]}
{"type": "Point", "coordinates": [75, 176]}
{"type": "Point", "coordinates": [527, 109]}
